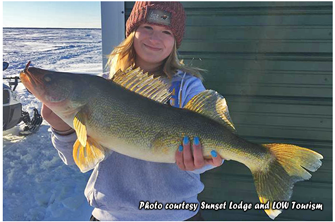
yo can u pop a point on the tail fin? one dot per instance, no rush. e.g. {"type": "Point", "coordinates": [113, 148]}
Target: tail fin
{"type": "Point", "coordinates": [275, 182]}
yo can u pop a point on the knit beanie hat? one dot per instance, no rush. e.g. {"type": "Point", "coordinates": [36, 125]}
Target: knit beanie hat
{"type": "Point", "coordinates": [167, 14]}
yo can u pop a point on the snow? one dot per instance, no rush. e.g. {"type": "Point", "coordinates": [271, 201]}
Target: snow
{"type": "Point", "coordinates": [37, 185]}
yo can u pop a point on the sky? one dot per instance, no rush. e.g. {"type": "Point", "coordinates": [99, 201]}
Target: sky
{"type": "Point", "coordinates": [52, 14]}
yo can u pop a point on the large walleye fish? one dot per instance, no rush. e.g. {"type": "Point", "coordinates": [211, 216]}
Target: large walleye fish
{"type": "Point", "coordinates": [128, 115]}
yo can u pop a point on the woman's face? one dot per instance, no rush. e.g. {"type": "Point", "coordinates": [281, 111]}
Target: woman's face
{"type": "Point", "coordinates": [153, 43]}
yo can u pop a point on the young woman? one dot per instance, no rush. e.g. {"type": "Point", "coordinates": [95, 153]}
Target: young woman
{"type": "Point", "coordinates": [120, 183]}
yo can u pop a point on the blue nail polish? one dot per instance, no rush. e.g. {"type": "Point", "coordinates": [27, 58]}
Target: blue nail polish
{"type": "Point", "coordinates": [196, 141]}
{"type": "Point", "coordinates": [213, 153]}
{"type": "Point", "coordinates": [180, 148]}
{"type": "Point", "coordinates": [185, 140]}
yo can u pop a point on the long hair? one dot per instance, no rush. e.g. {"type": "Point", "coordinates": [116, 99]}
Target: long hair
{"type": "Point", "coordinates": [124, 56]}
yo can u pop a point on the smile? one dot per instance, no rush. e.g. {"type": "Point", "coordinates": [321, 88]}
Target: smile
{"type": "Point", "coordinates": [152, 48]}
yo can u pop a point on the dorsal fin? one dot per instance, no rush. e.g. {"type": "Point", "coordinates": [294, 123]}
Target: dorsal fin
{"type": "Point", "coordinates": [213, 105]}
{"type": "Point", "coordinates": [144, 84]}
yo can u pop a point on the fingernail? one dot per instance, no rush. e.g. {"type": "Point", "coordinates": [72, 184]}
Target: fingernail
{"type": "Point", "coordinates": [180, 148]}
{"type": "Point", "coordinates": [196, 140]}
{"type": "Point", "coordinates": [185, 140]}
{"type": "Point", "coordinates": [213, 153]}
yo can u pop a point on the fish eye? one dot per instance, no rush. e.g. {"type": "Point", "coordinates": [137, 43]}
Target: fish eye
{"type": "Point", "coordinates": [47, 78]}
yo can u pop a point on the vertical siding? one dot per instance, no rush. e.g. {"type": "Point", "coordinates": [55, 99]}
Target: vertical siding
{"type": "Point", "coordinates": [273, 63]}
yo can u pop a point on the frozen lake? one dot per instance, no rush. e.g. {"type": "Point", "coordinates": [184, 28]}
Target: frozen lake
{"type": "Point", "coordinates": [36, 183]}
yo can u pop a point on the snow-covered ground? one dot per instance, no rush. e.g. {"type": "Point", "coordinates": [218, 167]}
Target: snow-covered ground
{"type": "Point", "coordinates": [36, 183]}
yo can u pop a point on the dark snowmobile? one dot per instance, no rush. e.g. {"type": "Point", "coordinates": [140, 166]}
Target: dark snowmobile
{"type": "Point", "coordinates": [12, 108]}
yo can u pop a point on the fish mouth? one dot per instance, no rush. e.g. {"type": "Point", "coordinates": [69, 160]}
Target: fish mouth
{"type": "Point", "coordinates": [33, 81]}
{"type": "Point", "coordinates": [27, 78]}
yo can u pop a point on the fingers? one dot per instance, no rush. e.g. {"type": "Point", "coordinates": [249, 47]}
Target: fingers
{"type": "Point", "coordinates": [189, 160]}
{"type": "Point", "coordinates": [216, 159]}
{"type": "Point", "coordinates": [192, 159]}
{"type": "Point", "coordinates": [198, 156]}
{"type": "Point", "coordinates": [187, 154]}
{"type": "Point", "coordinates": [179, 158]}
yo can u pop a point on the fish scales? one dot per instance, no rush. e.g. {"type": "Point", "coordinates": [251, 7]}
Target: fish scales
{"type": "Point", "coordinates": [143, 119]}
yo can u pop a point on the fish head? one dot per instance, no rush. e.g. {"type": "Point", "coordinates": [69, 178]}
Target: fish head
{"type": "Point", "coordinates": [59, 91]}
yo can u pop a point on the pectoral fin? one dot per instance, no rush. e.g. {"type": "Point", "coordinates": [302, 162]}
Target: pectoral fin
{"type": "Point", "coordinates": [80, 128]}
{"type": "Point", "coordinates": [87, 157]}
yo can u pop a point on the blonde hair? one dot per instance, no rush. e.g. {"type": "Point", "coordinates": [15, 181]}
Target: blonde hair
{"type": "Point", "coordinates": [124, 55]}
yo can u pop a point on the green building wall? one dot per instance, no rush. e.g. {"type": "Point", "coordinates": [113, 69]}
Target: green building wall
{"type": "Point", "coordinates": [273, 63]}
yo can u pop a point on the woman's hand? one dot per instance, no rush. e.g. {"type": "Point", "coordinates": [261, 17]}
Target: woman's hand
{"type": "Point", "coordinates": [54, 120]}
{"type": "Point", "coordinates": [186, 160]}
